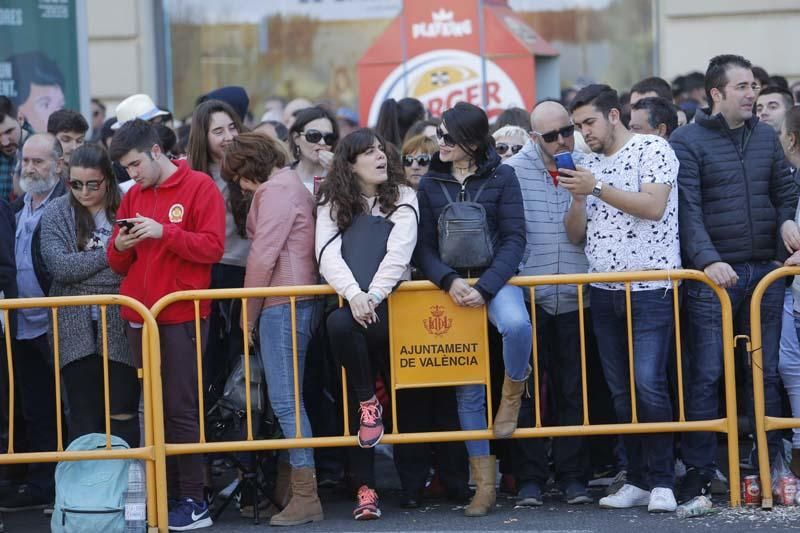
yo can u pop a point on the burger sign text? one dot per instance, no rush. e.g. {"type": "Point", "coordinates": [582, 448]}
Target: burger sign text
{"type": "Point", "coordinates": [442, 78]}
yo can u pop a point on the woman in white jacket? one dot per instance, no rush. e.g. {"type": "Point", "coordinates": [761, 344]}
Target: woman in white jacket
{"type": "Point", "coordinates": [364, 202]}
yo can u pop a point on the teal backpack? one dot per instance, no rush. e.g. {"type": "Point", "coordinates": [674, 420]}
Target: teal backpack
{"type": "Point", "coordinates": [90, 495]}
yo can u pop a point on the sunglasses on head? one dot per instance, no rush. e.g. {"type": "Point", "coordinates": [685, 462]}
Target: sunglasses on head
{"type": "Point", "coordinates": [552, 136]}
{"type": "Point", "coordinates": [422, 160]}
{"type": "Point", "coordinates": [93, 185]}
{"type": "Point", "coordinates": [502, 148]}
{"type": "Point", "coordinates": [314, 136]}
{"type": "Point", "coordinates": [445, 137]}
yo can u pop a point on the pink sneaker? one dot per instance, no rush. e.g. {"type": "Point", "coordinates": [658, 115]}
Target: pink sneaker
{"type": "Point", "coordinates": [371, 430]}
{"type": "Point", "coordinates": [366, 504]}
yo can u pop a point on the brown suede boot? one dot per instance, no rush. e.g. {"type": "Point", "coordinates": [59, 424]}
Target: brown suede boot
{"type": "Point", "coordinates": [483, 470]}
{"type": "Point", "coordinates": [283, 486]}
{"type": "Point", "coordinates": [304, 507]}
{"type": "Point", "coordinates": [505, 421]}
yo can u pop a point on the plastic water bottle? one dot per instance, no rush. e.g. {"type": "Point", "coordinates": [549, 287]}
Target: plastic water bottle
{"type": "Point", "coordinates": [697, 506]}
{"type": "Point", "coordinates": [136, 500]}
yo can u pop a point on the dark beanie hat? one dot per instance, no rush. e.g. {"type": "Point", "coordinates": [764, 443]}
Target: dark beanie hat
{"type": "Point", "coordinates": [233, 95]}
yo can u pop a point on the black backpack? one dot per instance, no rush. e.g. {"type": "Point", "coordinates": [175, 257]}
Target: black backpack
{"type": "Point", "coordinates": [465, 241]}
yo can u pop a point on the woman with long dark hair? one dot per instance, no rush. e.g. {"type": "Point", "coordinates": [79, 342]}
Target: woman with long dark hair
{"type": "Point", "coordinates": [396, 117]}
{"type": "Point", "coordinates": [312, 140]}
{"type": "Point", "coordinates": [280, 226]}
{"type": "Point", "coordinates": [467, 169]}
{"type": "Point", "coordinates": [74, 236]}
{"type": "Point", "coordinates": [365, 204]}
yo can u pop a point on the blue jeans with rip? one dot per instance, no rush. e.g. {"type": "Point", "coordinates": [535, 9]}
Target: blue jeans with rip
{"type": "Point", "coordinates": [650, 457]}
{"type": "Point", "coordinates": [704, 368]}
{"type": "Point", "coordinates": [275, 332]}
{"type": "Point", "coordinates": [509, 315]}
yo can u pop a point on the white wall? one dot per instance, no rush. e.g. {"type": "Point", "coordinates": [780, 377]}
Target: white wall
{"type": "Point", "coordinates": [121, 49]}
{"type": "Point", "coordinates": [763, 31]}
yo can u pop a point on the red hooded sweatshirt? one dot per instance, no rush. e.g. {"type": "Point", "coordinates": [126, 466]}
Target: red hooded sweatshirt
{"type": "Point", "coordinates": [192, 211]}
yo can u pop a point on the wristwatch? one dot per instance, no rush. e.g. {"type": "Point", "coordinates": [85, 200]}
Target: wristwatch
{"type": "Point", "coordinates": [598, 188]}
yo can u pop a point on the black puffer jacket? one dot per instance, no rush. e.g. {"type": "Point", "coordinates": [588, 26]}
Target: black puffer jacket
{"type": "Point", "coordinates": [505, 215]}
{"type": "Point", "coordinates": [732, 200]}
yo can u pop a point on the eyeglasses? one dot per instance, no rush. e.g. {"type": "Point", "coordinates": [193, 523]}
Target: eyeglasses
{"type": "Point", "coordinates": [422, 160]}
{"type": "Point", "coordinates": [552, 136]}
{"type": "Point", "coordinates": [445, 137]}
{"type": "Point", "coordinates": [314, 136]}
{"type": "Point", "coordinates": [77, 185]}
{"type": "Point", "coordinates": [742, 87]}
{"type": "Point", "coordinates": [502, 148]}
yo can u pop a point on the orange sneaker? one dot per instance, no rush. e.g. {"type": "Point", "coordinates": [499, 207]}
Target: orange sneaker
{"type": "Point", "coordinates": [366, 504]}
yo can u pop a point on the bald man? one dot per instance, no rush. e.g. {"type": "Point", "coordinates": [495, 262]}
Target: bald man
{"type": "Point", "coordinates": [550, 252]}
{"type": "Point", "coordinates": [42, 160]}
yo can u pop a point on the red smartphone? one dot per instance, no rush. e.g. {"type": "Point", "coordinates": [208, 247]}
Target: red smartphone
{"type": "Point", "coordinates": [317, 182]}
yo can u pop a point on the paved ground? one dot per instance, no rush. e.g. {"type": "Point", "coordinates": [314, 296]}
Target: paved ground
{"type": "Point", "coordinates": [444, 516]}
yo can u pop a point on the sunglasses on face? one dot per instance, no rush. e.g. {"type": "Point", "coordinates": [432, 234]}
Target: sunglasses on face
{"type": "Point", "coordinates": [93, 185]}
{"type": "Point", "coordinates": [502, 148]}
{"type": "Point", "coordinates": [314, 136]}
{"type": "Point", "coordinates": [422, 160]}
{"type": "Point", "coordinates": [445, 137]}
{"type": "Point", "coordinates": [552, 136]}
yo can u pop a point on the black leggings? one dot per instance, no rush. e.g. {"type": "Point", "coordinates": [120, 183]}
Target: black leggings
{"type": "Point", "coordinates": [364, 353]}
{"type": "Point", "coordinates": [83, 381]}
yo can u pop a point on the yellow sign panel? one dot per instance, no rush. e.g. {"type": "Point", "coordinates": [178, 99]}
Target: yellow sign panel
{"type": "Point", "coordinates": [435, 342]}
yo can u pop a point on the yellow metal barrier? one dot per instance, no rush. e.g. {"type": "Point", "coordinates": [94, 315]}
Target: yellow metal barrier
{"type": "Point", "coordinates": [763, 422]}
{"type": "Point", "coordinates": [727, 424]}
{"type": "Point", "coordinates": [147, 453]}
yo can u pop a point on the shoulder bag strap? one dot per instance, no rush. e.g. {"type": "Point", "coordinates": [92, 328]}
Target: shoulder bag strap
{"type": "Point", "coordinates": [319, 258]}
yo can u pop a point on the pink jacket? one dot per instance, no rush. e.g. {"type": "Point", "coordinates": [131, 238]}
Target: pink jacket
{"type": "Point", "coordinates": [281, 227]}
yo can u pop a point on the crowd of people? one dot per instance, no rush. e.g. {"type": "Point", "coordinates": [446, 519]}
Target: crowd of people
{"type": "Point", "coordinates": [701, 174]}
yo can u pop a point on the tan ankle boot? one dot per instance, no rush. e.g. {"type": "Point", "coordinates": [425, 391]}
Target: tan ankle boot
{"type": "Point", "coordinates": [304, 507]}
{"type": "Point", "coordinates": [483, 470]}
{"type": "Point", "coordinates": [283, 486]}
{"type": "Point", "coordinates": [505, 421]}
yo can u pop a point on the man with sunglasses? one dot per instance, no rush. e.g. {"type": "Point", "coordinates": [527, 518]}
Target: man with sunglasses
{"type": "Point", "coordinates": [549, 251]}
{"type": "Point", "coordinates": [737, 203]}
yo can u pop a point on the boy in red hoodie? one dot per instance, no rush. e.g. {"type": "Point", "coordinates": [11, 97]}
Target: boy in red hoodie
{"type": "Point", "coordinates": [176, 232]}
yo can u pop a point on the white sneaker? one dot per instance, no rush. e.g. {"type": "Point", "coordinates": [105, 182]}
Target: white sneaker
{"type": "Point", "coordinates": [662, 500]}
{"type": "Point", "coordinates": [627, 496]}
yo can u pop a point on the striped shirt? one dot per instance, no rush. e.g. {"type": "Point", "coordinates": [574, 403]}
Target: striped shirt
{"type": "Point", "coordinates": [548, 250]}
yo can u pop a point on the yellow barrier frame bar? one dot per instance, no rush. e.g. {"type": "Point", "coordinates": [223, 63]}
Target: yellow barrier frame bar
{"type": "Point", "coordinates": [723, 425]}
{"type": "Point", "coordinates": [763, 422]}
{"type": "Point", "coordinates": [153, 454]}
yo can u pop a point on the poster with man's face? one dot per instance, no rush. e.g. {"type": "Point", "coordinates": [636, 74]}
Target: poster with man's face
{"type": "Point", "coordinates": [39, 57]}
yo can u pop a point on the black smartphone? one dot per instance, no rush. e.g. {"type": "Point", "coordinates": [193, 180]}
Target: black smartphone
{"type": "Point", "coordinates": [564, 160]}
{"type": "Point", "coordinates": [125, 223]}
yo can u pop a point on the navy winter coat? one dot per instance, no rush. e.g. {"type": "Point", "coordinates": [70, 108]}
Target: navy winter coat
{"type": "Point", "coordinates": [502, 200]}
{"type": "Point", "coordinates": [732, 200]}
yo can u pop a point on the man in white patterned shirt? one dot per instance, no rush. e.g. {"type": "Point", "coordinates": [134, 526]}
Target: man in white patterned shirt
{"type": "Point", "coordinates": [625, 207]}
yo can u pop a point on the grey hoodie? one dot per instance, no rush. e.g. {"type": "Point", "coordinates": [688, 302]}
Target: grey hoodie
{"type": "Point", "coordinates": [548, 250]}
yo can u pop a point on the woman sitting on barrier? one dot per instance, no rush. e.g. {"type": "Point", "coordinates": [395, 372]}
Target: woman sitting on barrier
{"type": "Point", "coordinates": [486, 241]}
{"type": "Point", "coordinates": [366, 233]}
{"type": "Point", "coordinates": [75, 233]}
{"type": "Point", "coordinates": [280, 225]}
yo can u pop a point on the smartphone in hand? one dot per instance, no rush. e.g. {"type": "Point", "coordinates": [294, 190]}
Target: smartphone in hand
{"type": "Point", "coordinates": [564, 160]}
{"type": "Point", "coordinates": [125, 223]}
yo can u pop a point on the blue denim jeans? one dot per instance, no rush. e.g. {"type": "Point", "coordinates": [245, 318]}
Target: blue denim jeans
{"type": "Point", "coordinates": [789, 360]}
{"type": "Point", "coordinates": [704, 366]}
{"type": "Point", "coordinates": [275, 331]}
{"type": "Point", "coordinates": [650, 457]}
{"type": "Point", "coordinates": [509, 315]}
